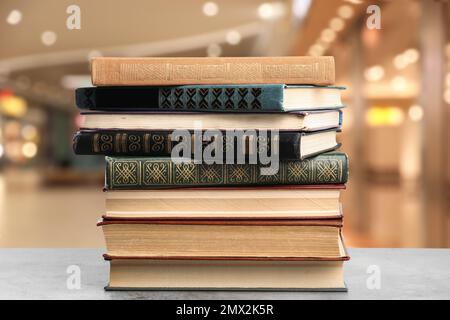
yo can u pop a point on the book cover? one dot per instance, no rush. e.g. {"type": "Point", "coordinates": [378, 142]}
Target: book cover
{"type": "Point", "coordinates": [148, 173]}
{"type": "Point", "coordinates": [206, 98]}
{"type": "Point", "coordinates": [155, 143]}
{"type": "Point", "coordinates": [216, 98]}
{"type": "Point", "coordinates": [111, 71]}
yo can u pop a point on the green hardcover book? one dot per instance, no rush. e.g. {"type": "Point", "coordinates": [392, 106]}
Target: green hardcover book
{"type": "Point", "coordinates": [150, 173]}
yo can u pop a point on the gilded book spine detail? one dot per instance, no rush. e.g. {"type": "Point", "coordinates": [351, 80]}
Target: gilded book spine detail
{"type": "Point", "coordinates": [231, 99]}
{"type": "Point", "coordinates": [296, 70]}
{"type": "Point", "coordinates": [148, 173]}
{"type": "Point", "coordinates": [128, 143]}
{"type": "Point", "coordinates": [159, 143]}
{"type": "Point", "coordinates": [215, 98]}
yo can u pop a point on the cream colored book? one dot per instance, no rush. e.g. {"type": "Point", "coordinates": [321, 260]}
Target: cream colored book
{"type": "Point", "coordinates": [223, 239]}
{"type": "Point", "coordinates": [149, 274]}
{"type": "Point", "coordinates": [306, 121]}
{"type": "Point", "coordinates": [222, 203]}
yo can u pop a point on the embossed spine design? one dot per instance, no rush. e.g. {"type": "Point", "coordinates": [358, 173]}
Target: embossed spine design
{"type": "Point", "coordinates": [167, 71]}
{"type": "Point", "coordinates": [146, 173]}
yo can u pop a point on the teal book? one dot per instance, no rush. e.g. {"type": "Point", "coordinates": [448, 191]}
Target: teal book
{"type": "Point", "coordinates": [150, 173]}
{"type": "Point", "coordinates": [210, 98]}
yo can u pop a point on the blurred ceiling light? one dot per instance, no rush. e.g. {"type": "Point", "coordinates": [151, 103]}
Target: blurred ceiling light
{"type": "Point", "coordinates": [384, 116]}
{"type": "Point", "coordinates": [328, 35]}
{"type": "Point", "coordinates": [354, 1]}
{"type": "Point", "coordinates": [13, 106]}
{"type": "Point", "coordinates": [75, 81]}
{"type": "Point", "coordinates": [300, 8]}
{"type": "Point", "coordinates": [214, 50]}
{"type": "Point", "coordinates": [411, 55]}
{"type": "Point", "coordinates": [210, 9]}
{"type": "Point", "coordinates": [271, 10]}
{"type": "Point", "coordinates": [399, 83]}
{"type": "Point", "coordinates": [29, 150]}
{"type": "Point", "coordinates": [415, 112]}
{"type": "Point", "coordinates": [400, 61]}
{"type": "Point", "coordinates": [29, 132]}
{"type": "Point", "coordinates": [233, 37]}
{"type": "Point", "coordinates": [48, 38]}
{"type": "Point", "coordinates": [1, 151]}
{"type": "Point", "coordinates": [337, 24]}
{"type": "Point", "coordinates": [447, 96]}
{"type": "Point", "coordinates": [316, 50]}
{"type": "Point", "coordinates": [13, 150]}
{"type": "Point", "coordinates": [375, 73]}
{"type": "Point", "coordinates": [324, 45]}
{"type": "Point", "coordinates": [14, 17]}
{"type": "Point", "coordinates": [345, 11]}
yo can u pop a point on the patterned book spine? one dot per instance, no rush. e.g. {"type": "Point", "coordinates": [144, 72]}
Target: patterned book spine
{"type": "Point", "coordinates": [160, 144]}
{"type": "Point", "coordinates": [216, 98]}
{"type": "Point", "coordinates": [148, 173]}
{"type": "Point", "coordinates": [178, 71]}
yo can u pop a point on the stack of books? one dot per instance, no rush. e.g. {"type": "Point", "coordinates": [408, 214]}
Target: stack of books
{"type": "Point", "coordinates": [221, 173]}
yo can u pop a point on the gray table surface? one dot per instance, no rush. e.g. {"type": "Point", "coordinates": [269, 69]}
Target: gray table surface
{"type": "Point", "coordinates": [404, 274]}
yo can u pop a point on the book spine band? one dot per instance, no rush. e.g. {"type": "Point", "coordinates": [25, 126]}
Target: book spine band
{"type": "Point", "coordinates": [160, 144]}
{"type": "Point", "coordinates": [151, 173]}
{"type": "Point", "coordinates": [225, 98]}
{"type": "Point", "coordinates": [177, 71]}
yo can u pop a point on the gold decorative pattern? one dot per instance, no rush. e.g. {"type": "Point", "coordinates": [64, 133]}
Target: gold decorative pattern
{"type": "Point", "coordinates": [156, 173]}
{"type": "Point", "coordinates": [185, 173]}
{"type": "Point", "coordinates": [211, 174]}
{"type": "Point", "coordinates": [298, 171]}
{"type": "Point", "coordinates": [125, 173]}
{"type": "Point", "coordinates": [328, 168]}
{"type": "Point", "coordinates": [165, 71]}
{"type": "Point", "coordinates": [134, 143]}
{"type": "Point", "coordinates": [328, 171]}
{"type": "Point", "coordinates": [158, 142]}
{"type": "Point", "coordinates": [239, 173]}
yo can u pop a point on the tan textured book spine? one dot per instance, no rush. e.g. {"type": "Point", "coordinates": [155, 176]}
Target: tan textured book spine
{"type": "Point", "coordinates": [230, 70]}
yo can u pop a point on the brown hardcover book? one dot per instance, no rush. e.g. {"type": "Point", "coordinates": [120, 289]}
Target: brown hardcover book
{"type": "Point", "coordinates": [111, 71]}
{"type": "Point", "coordinates": [219, 273]}
{"type": "Point", "coordinates": [285, 240]}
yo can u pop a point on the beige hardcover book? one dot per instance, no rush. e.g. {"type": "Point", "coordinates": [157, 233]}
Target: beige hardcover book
{"type": "Point", "coordinates": [306, 121]}
{"type": "Point", "coordinates": [290, 202]}
{"type": "Point", "coordinates": [111, 71]}
{"type": "Point", "coordinates": [147, 274]}
{"type": "Point", "coordinates": [225, 239]}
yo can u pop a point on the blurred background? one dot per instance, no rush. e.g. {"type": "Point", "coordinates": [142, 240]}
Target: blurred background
{"type": "Point", "coordinates": [393, 57]}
